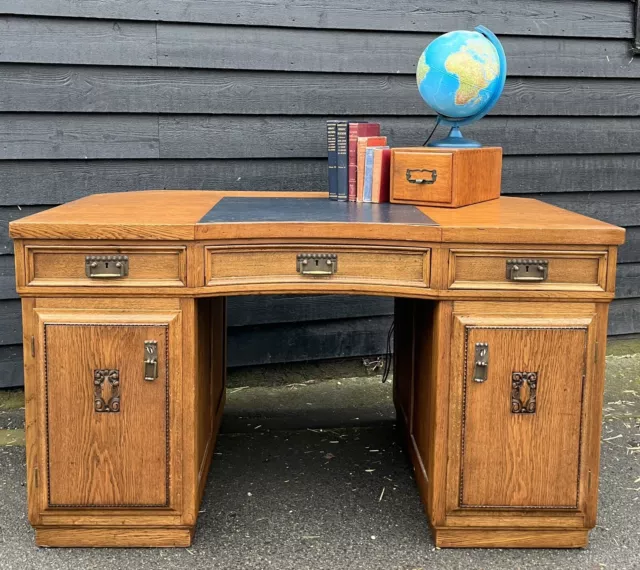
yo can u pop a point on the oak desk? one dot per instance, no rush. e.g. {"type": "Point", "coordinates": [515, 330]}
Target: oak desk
{"type": "Point", "coordinates": [500, 320]}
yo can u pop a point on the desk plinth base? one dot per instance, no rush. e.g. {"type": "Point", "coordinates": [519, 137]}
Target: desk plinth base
{"type": "Point", "coordinates": [508, 538]}
{"type": "Point", "coordinates": [136, 537]}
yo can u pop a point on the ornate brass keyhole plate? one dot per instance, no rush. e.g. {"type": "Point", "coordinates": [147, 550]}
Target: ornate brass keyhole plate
{"type": "Point", "coordinates": [112, 402]}
{"type": "Point", "coordinates": [524, 386]}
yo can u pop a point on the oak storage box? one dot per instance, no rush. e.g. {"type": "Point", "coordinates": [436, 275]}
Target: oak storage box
{"type": "Point", "coordinates": [447, 177]}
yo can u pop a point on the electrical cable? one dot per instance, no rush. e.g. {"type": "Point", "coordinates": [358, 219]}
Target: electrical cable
{"type": "Point", "coordinates": [388, 358]}
{"type": "Point", "coordinates": [432, 132]}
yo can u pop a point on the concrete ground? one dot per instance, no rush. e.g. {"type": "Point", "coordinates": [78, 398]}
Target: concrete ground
{"type": "Point", "coordinates": [308, 474]}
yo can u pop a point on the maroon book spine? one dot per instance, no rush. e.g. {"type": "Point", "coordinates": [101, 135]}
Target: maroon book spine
{"type": "Point", "coordinates": [357, 130]}
{"type": "Point", "coordinates": [384, 176]}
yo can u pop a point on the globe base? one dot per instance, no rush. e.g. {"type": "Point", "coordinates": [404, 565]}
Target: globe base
{"type": "Point", "coordinates": [455, 140]}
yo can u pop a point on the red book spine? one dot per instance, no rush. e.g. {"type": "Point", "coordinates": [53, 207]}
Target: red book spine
{"type": "Point", "coordinates": [357, 130]}
{"type": "Point", "coordinates": [384, 176]}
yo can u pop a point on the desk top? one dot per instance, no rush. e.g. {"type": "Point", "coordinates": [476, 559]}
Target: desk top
{"type": "Point", "coordinates": [194, 214]}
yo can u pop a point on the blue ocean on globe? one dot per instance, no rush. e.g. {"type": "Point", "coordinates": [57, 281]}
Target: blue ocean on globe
{"type": "Point", "coordinates": [459, 73]}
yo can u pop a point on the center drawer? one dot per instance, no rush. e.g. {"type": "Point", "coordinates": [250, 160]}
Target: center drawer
{"type": "Point", "coordinates": [398, 266]}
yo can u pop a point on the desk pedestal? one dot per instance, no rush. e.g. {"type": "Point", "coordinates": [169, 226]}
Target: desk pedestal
{"type": "Point", "coordinates": [500, 404]}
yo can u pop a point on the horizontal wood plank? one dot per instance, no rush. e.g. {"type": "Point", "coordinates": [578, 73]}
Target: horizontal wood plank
{"type": "Point", "coordinates": [78, 136]}
{"type": "Point", "coordinates": [11, 324]}
{"type": "Point", "coordinates": [86, 89]}
{"type": "Point", "coordinates": [41, 40]}
{"type": "Point", "coordinates": [267, 309]}
{"type": "Point", "coordinates": [34, 136]}
{"type": "Point", "coordinates": [230, 47]}
{"type": "Point", "coordinates": [629, 251]}
{"type": "Point", "coordinates": [7, 277]}
{"type": "Point", "coordinates": [570, 173]}
{"type": "Point", "coordinates": [628, 280]}
{"type": "Point", "coordinates": [583, 18]}
{"type": "Point", "coordinates": [60, 181]}
{"type": "Point", "coordinates": [102, 42]}
{"type": "Point", "coordinates": [197, 136]}
{"type": "Point", "coordinates": [624, 317]}
{"type": "Point", "coordinates": [249, 346]}
{"type": "Point", "coordinates": [619, 208]}
{"type": "Point", "coordinates": [11, 371]}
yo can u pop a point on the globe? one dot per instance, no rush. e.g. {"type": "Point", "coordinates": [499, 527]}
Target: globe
{"type": "Point", "coordinates": [461, 76]}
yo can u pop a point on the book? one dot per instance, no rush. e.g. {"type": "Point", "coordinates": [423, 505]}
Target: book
{"type": "Point", "coordinates": [363, 143]}
{"type": "Point", "coordinates": [368, 174]}
{"type": "Point", "coordinates": [332, 160]}
{"type": "Point", "coordinates": [380, 175]}
{"type": "Point", "coordinates": [357, 130]}
{"type": "Point", "coordinates": [342, 160]}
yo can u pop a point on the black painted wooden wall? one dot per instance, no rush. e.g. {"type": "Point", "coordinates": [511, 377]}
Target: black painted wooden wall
{"type": "Point", "coordinates": [107, 96]}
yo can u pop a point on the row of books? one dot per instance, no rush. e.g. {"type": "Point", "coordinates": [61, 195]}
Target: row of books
{"type": "Point", "coordinates": [358, 160]}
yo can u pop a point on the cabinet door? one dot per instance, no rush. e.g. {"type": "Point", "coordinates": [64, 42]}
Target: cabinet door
{"type": "Point", "coordinates": [107, 407]}
{"type": "Point", "coordinates": [521, 417]}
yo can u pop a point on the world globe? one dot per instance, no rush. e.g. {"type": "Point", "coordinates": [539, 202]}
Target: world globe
{"type": "Point", "coordinates": [461, 76]}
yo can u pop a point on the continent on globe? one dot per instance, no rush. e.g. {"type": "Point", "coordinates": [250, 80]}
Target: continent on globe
{"type": "Point", "coordinates": [422, 69]}
{"type": "Point", "coordinates": [476, 66]}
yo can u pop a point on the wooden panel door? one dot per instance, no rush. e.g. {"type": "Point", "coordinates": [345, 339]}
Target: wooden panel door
{"type": "Point", "coordinates": [106, 410]}
{"type": "Point", "coordinates": [522, 413]}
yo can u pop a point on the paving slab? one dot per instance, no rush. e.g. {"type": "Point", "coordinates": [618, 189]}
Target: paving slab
{"type": "Point", "coordinates": [325, 499]}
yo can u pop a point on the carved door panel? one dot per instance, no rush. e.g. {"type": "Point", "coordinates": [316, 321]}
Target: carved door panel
{"type": "Point", "coordinates": [105, 381]}
{"type": "Point", "coordinates": [522, 409]}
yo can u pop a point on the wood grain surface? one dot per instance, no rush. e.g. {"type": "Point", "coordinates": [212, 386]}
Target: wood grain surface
{"type": "Point", "coordinates": [583, 18]}
{"type": "Point", "coordinates": [592, 180]}
{"type": "Point", "coordinates": [95, 89]}
{"type": "Point", "coordinates": [120, 458]}
{"type": "Point", "coordinates": [523, 460]}
{"type": "Point", "coordinates": [169, 215]}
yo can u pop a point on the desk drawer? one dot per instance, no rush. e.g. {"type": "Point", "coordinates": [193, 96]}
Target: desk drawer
{"type": "Point", "coordinates": [527, 269]}
{"type": "Point", "coordinates": [106, 266]}
{"type": "Point", "coordinates": [399, 266]}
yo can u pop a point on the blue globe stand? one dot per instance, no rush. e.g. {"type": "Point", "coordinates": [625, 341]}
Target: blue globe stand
{"type": "Point", "coordinates": [455, 138]}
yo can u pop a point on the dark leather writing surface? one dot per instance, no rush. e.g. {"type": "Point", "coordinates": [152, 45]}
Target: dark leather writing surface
{"type": "Point", "coordinates": [312, 210]}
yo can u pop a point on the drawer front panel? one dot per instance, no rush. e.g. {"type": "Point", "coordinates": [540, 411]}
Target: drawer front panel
{"type": "Point", "coordinates": [145, 266]}
{"type": "Point", "coordinates": [520, 269]}
{"type": "Point", "coordinates": [282, 264]}
{"type": "Point", "coordinates": [421, 177]}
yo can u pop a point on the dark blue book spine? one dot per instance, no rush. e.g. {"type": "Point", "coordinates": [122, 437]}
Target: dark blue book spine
{"type": "Point", "coordinates": [342, 144]}
{"type": "Point", "coordinates": [332, 159]}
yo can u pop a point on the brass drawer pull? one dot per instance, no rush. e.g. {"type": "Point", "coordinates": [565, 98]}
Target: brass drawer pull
{"type": "Point", "coordinates": [317, 264]}
{"type": "Point", "coordinates": [528, 270]}
{"type": "Point", "coordinates": [481, 367]}
{"type": "Point", "coordinates": [150, 360]}
{"type": "Point", "coordinates": [433, 176]}
{"type": "Point", "coordinates": [106, 266]}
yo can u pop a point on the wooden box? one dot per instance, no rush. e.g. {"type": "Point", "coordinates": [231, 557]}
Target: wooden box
{"type": "Point", "coordinates": [447, 177]}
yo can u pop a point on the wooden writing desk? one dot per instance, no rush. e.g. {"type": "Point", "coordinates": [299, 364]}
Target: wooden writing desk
{"type": "Point", "coordinates": [500, 320]}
